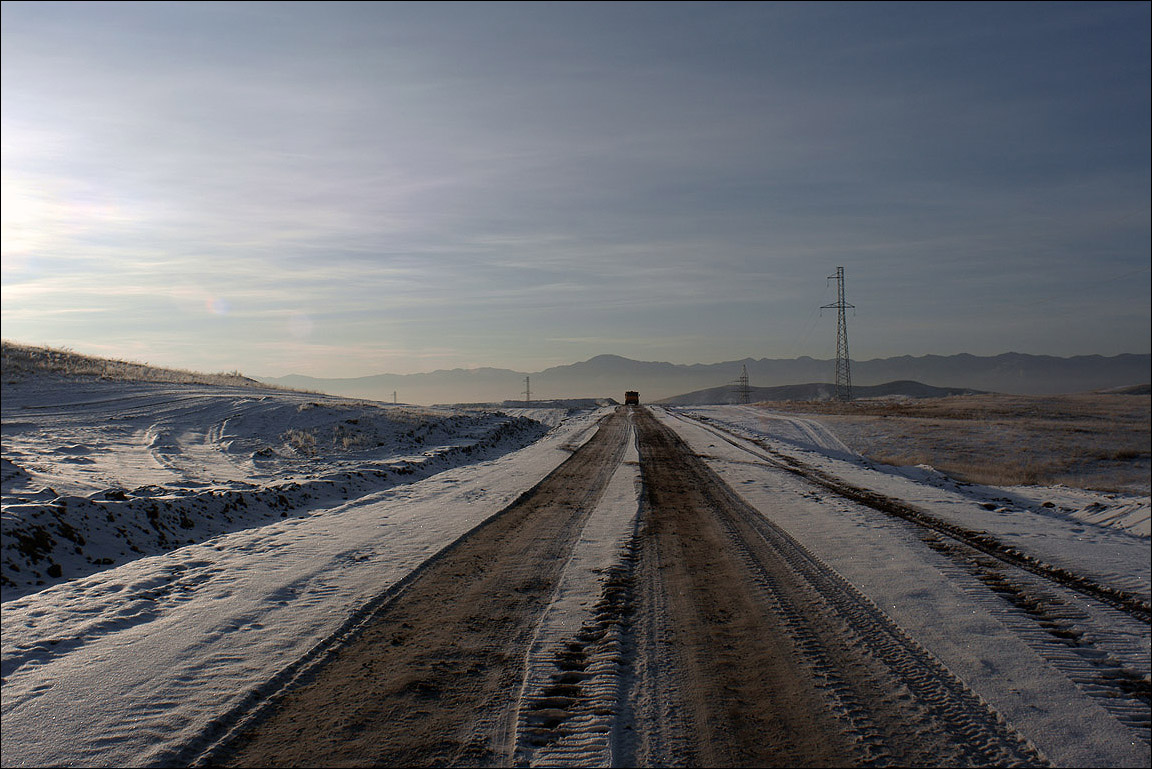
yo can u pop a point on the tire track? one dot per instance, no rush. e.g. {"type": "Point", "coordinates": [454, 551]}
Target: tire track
{"type": "Point", "coordinates": [572, 716]}
{"type": "Point", "coordinates": [782, 661]}
{"type": "Point", "coordinates": [570, 700]}
{"type": "Point", "coordinates": [1061, 633]}
{"type": "Point", "coordinates": [431, 676]}
{"type": "Point", "coordinates": [1127, 602]}
{"type": "Point", "coordinates": [1028, 594]}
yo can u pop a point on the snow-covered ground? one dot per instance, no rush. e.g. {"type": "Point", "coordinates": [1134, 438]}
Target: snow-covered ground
{"type": "Point", "coordinates": [128, 664]}
{"type": "Point", "coordinates": [1010, 662]}
{"type": "Point", "coordinates": [131, 663]}
{"type": "Point", "coordinates": [99, 473]}
{"type": "Point", "coordinates": [1128, 512]}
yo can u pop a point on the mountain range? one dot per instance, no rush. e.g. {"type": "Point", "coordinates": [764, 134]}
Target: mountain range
{"type": "Point", "coordinates": [812, 391]}
{"type": "Point", "coordinates": [610, 375]}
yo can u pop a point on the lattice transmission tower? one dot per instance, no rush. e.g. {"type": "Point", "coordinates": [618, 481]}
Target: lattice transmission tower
{"type": "Point", "coordinates": [843, 367]}
{"type": "Point", "coordinates": [742, 385]}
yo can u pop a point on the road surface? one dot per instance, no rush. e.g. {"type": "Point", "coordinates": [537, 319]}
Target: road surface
{"type": "Point", "coordinates": [729, 644]}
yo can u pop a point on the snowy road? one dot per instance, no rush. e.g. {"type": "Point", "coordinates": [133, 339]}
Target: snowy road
{"type": "Point", "coordinates": [434, 678]}
{"type": "Point", "coordinates": [729, 643]}
{"type": "Point", "coordinates": [128, 666]}
{"type": "Point", "coordinates": [152, 662]}
{"type": "Point", "coordinates": [1068, 673]}
{"type": "Point", "coordinates": [779, 661]}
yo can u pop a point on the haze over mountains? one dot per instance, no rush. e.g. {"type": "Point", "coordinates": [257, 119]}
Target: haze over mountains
{"type": "Point", "coordinates": [818, 391]}
{"type": "Point", "coordinates": [611, 375]}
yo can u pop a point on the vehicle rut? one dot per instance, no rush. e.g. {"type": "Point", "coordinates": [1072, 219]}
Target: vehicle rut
{"type": "Point", "coordinates": [431, 678]}
{"type": "Point", "coordinates": [1032, 591]}
{"type": "Point", "coordinates": [1122, 600]}
{"type": "Point", "coordinates": [718, 640]}
{"type": "Point", "coordinates": [751, 652]}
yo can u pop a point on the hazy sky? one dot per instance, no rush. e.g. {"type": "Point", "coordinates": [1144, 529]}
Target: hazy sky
{"type": "Point", "coordinates": [348, 189]}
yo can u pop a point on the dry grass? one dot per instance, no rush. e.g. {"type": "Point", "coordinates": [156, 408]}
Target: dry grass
{"type": "Point", "coordinates": [303, 442]}
{"type": "Point", "coordinates": [1096, 441]}
{"type": "Point", "coordinates": [18, 359]}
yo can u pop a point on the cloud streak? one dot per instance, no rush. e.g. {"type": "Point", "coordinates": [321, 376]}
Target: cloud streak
{"type": "Point", "coordinates": [530, 183]}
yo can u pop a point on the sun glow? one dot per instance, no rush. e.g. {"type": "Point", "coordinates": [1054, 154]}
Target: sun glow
{"type": "Point", "coordinates": [26, 217]}
{"type": "Point", "coordinates": [51, 217]}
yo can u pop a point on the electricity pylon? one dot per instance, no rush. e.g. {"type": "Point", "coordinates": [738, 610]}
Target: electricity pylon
{"type": "Point", "coordinates": [843, 371]}
{"type": "Point", "coordinates": [527, 391]}
{"type": "Point", "coordinates": [742, 383]}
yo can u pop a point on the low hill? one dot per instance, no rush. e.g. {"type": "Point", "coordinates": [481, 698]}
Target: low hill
{"type": "Point", "coordinates": [1142, 389]}
{"type": "Point", "coordinates": [817, 391]}
{"type": "Point", "coordinates": [17, 360]}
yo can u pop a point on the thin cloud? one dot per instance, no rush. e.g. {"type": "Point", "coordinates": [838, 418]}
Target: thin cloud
{"type": "Point", "coordinates": [492, 179]}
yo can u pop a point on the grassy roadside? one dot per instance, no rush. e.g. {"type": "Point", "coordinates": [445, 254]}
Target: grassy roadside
{"type": "Point", "coordinates": [1098, 441]}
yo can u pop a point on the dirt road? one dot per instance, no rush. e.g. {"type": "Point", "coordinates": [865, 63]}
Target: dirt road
{"type": "Point", "coordinates": [767, 657]}
{"type": "Point", "coordinates": [737, 647]}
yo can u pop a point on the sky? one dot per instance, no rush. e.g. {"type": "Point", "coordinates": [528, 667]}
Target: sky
{"type": "Point", "coordinates": [341, 190]}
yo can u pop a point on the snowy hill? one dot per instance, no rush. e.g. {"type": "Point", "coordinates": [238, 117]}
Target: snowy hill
{"type": "Point", "coordinates": [97, 473]}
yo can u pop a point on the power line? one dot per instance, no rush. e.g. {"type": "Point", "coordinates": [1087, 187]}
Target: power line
{"type": "Point", "coordinates": [801, 347]}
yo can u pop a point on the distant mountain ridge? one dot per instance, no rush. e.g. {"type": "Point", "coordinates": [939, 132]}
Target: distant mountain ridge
{"type": "Point", "coordinates": [610, 375]}
{"type": "Point", "coordinates": [730, 394]}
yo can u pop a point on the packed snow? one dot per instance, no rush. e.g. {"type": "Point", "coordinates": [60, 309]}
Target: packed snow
{"type": "Point", "coordinates": [977, 636]}
{"type": "Point", "coordinates": [129, 664]}
{"type": "Point", "coordinates": [1131, 513]}
{"type": "Point", "coordinates": [132, 662]}
{"type": "Point", "coordinates": [98, 473]}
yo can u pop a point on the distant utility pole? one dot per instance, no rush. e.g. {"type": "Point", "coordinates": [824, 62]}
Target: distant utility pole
{"type": "Point", "coordinates": [745, 391]}
{"type": "Point", "coordinates": [527, 391]}
{"type": "Point", "coordinates": [843, 372]}
{"type": "Point", "coordinates": [393, 397]}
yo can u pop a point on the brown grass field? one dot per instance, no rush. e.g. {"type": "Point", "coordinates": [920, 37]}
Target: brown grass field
{"type": "Point", "coordinates": [1097, 441]}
